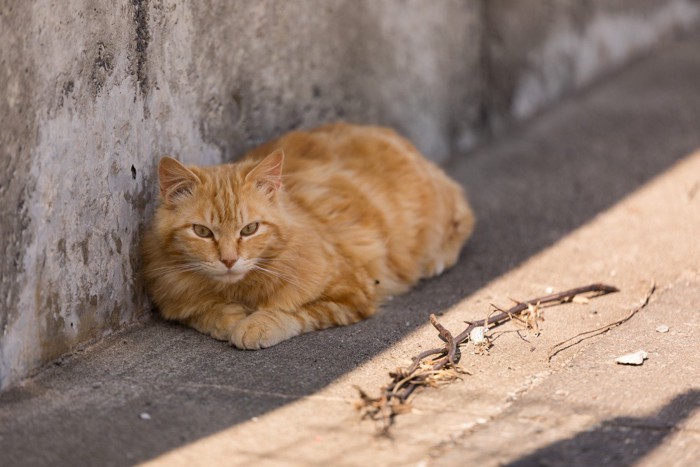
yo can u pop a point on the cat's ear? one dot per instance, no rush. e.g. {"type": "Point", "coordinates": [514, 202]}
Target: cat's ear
{"type": "Point", "coordinates": [175, 179]}
{"type": "Point", "coordinates": [267, 175]}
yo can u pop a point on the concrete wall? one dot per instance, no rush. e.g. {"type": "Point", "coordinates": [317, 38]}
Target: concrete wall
{"type": "Point", "coordinates": [540, 50]}
{"type": "Point", "coordinates": [93, 92]}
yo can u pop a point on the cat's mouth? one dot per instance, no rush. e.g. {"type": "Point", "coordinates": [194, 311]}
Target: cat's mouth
{"type": "Point", "coordinates": [230, 277]}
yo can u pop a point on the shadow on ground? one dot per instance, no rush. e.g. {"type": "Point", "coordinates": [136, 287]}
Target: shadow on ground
{"type": "Point", "coordinates": [618, 441]}
{"type": "Point", "coordinates": [528, 191]}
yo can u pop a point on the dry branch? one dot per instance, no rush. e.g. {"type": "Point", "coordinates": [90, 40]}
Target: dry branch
{"type": "Point", "coordinates": [438, 366]}
{"type": "Point", "coordinates": [561, 346]}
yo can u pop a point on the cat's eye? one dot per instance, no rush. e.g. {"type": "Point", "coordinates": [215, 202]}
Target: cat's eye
{"type": "Point", "coordinates": [249, 229]}
{"type": "Point", "coordinates": [202, 231]}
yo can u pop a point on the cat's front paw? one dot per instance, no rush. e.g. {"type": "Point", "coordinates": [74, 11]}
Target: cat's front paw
{"type": "Point", "coordinates": [263, 329]}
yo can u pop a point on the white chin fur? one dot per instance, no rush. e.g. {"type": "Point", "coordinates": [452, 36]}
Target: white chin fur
{"type": "Point", "coordinates": [229, 278]}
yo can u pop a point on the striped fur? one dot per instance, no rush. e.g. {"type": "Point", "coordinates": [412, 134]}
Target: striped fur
{"type": "Point", "coordinates": [346, 216]}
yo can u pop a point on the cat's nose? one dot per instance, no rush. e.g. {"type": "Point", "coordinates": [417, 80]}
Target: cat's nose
{"type": "Point", "coordinates": [228, 262]}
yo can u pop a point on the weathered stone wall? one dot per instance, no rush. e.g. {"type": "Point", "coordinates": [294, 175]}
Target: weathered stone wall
{"type": "Point", "coordinates": [539, 50]}
{"type": "Point", "coordinates": [93, 92]}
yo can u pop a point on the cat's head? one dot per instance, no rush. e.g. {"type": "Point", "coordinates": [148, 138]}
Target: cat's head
{"type": "Point", "coordinates": [223, 221]}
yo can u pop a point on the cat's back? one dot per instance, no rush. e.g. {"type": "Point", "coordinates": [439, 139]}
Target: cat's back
{"type": "Point", "coordinates": [372, 191]}
{"type": "Point", "coordinates": [375, 161]}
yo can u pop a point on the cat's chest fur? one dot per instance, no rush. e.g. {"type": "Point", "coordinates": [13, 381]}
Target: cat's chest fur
{"type": "Point", "coordinates": [308, 231]}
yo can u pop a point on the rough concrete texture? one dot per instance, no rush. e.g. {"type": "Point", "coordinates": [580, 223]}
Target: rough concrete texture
{"type": "Point", "coordinates": [95, 92]}
{"type": "Point", "coordinates": [623, 209]}
{"type": "Point", "coordinates": [593, 411]}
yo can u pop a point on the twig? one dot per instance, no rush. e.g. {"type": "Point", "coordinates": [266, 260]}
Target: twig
{"type": "Point", "coordinates": [559, 347]}
{"type": "Point", "coordinates": [437, 366]}
{"type": "Point", "coordinates": [451, 344]}
{"type": "Point", "coordinates": [561, 297]}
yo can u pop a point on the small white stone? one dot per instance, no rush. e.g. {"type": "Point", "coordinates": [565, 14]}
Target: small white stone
{"type": "Point", "coordinates": [662, 328]}
{"type": "Point", "coordinates": [476, 335]}
{"type": "Point", "coordinates": [549, 290]}
{"type": "Point", "coordinates": [636, 358]}
{"type": "Point", "coordinates": [145, 416]}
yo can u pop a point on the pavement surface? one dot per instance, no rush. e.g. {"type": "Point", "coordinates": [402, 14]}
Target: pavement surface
{"type": "Point", "coordinates": [603, 188]}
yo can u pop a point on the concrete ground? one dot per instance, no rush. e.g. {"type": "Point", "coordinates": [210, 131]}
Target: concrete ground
{"type": "Point", "coordinates": [603, 188]}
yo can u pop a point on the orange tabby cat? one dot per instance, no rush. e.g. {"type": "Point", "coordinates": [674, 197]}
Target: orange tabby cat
{"type": "Point", "coordinates": [311, 230]}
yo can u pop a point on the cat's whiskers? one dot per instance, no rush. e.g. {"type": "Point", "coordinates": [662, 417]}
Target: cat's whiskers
{"type": "Point", "coordinates": [282, 275]}
{"type": "Point", "coordinates": [295, 265]}
{"type": "Point", "coordinates": [176, 267]}
{"type": "Point", "coordinates": [291, 266]}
